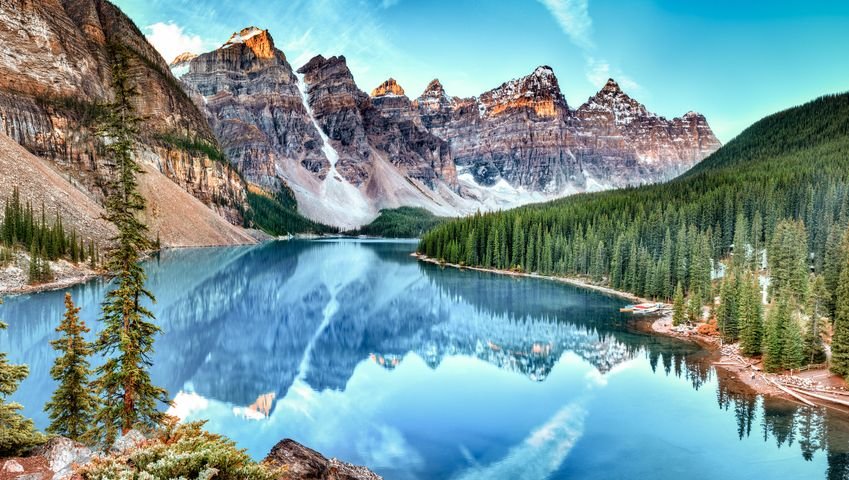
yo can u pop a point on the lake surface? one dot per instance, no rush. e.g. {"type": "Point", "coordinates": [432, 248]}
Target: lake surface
{"type": "Point", "coordinates": [358, 351]}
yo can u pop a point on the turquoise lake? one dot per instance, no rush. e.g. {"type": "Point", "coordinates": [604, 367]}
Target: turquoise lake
{"type": "Point", "coordinates": [357, 350]}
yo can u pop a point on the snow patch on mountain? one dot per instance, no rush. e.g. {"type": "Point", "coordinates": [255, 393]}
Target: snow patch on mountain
{"type": "Point", "coordinates": [344, 204]}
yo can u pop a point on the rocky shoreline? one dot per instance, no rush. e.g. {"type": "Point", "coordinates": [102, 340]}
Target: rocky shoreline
{"type": "Point", "coordinates": [61, 458]}
{"type": "Point", "coordinates": [745, 373]}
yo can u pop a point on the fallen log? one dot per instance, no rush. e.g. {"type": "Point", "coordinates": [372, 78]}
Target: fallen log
{"type": "Point", "coordinates": [822, 390]}
{"type": "Point", "coordinates": [826, 398]}
{"type": "Point", "coordinates": [793, 394]}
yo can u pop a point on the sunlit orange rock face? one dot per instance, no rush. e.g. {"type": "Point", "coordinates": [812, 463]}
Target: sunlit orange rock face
{"type": "Point", "coordinates": [389, 87]}
{"type": "Point", "coordinates": [538, 92]}
{"type": "Point", "coordinates": [261, 44]}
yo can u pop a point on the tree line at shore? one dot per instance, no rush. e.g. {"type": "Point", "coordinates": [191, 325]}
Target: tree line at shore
{"type": "Point", "coordinates": [772, 204]}
{"type": "Point", "coordinates": [22, 229]}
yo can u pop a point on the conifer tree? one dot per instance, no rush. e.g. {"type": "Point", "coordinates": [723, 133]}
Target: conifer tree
{"type": "Point", "coordinates": [694, 307]}
{"type": "Point", "coordinates": [814, 349]}
{"type": "Point", "coordinates": [788, 259]}
{"type": "Point", "coordinates": [777, 320]}
{"type": "Point", "coordinates": [73, 404]}
{"type": "Point", "coordinates": [17, 433]}
{"type": "Point", "coordinates": [128, 396]}
{"type": "Point", "coordinates": [726, 315]}
{"type": "Point", "coordinates": [751, 316]}
{"type": "Point", "coordinates": [840, 338]}
{"type": "Point", "coordinates": [741, 241]}
{"type": "Point", "coordinates": [678, 307]}
{"type": "Point", "coordinates": [793, 355]}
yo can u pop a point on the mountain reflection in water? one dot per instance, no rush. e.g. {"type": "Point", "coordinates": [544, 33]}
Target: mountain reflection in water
{"type": "Point", "coordinates": [360, 352]}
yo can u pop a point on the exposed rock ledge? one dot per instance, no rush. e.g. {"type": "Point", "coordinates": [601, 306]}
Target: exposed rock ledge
{"type": "Point", "coordinates": [303, 463]}
{"type": "Point", "coordinates": [58, 458]}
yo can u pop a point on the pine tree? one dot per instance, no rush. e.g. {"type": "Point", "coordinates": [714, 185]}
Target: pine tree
{"type": "Point", "coordinates": [840, 338]}
{"type": "Point", "coordinates": [835, 257]}
{"type": "Point", "coordinates": [793, 356]}
{"type": "Point", "coordinates": [694, 307]}
{"type": "Point", "coordinates": [751, 317]}
{"type": "Point", "coordinates": [73, 404]}
{"type": "Point", "coordinates": [788, 262]}
{"type": "Point", "coordinates": [814, 349]}
{"type": "Point", "coordinates": [741, 241]}
{"type": "Point", "coordinates": [91, 259]}
{"type": "Point", "coordinates": [17, 433]}
{"type": "Point", "coordinates": [678, 307]}
{"type": "Point", "coordinates": [774, 335]}
{"type": "Point", "coordinates": [726, 315]}
{"type": "Point", "coordinates": [128, 397]}
{"type": "Point", "coordinates": [783, 343]}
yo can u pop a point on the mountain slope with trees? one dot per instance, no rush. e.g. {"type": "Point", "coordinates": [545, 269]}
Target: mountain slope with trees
{"type": "Point", "coordinates": [781, 188]}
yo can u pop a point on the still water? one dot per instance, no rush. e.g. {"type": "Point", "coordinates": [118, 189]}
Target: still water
{"type": "Point", "coordinates": [358, 351]}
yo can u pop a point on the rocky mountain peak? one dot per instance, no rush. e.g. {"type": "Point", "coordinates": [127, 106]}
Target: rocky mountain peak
{"type": "Point", "coordinates": [388, 88]}
{"type": "Point", "coordinates": [434, 89]}
{"type": "Point", "coordinates": [259, 41]}
{"type": "Point", "coordinates": [611, 86]}
{"type": "Point", "coordinates": [544, 71]}
{"type": "Point", "coordinates": [180, 65]}
{"type": "Point", "coordinates": [182, 59]}
{"type": "Point", "coordinates": [611, 100]}
{"type": "Point", "coordinates": [539, 91]}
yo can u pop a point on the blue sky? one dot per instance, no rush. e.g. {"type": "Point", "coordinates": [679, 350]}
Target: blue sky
{"type": "Point", "coordinates": [734, 61]}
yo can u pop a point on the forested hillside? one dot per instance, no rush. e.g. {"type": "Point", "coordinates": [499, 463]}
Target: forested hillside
{"type": "Point", "coordinates": [781, 186]}
{"type": "Point", "coordinates": [403, 222]}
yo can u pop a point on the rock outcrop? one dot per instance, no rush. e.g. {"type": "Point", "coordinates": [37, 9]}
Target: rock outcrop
{"type": "Point", "coordinates": [55, 72]}
{"type": "Point", "coordinates": [524, 133]}
{"type": "Point", "coordinates": [63, 455]}
{"type": "Point", "coordinates": [59, 458]}
{"type": "Point", "coordinates": [302, 463]}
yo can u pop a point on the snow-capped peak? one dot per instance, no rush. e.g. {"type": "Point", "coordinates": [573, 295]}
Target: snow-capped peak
{"type": "Point", "coordinates": [242, 36]}
{"type": "Point", "coordinates": [543, 71]}
{"type": "Point", "coordinates": [611, 86]}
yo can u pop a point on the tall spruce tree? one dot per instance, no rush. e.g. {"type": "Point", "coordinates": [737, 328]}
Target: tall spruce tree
{"type": "Point", "coordinates": [774, 333]}
{"type": "Point", "coordinates": [840, 338]}
{"type": "Point", "coordinates": [679, 314]}
{"type": "Point", "coordinates": [814, 348]}
{"type": "Point", "coordinates": [17, 433]}
{"type": "Point", "coordinates": [73, 404]}
{"type": "Point", "coordinates": [128, 397]}
{"type": "Point", "coordinates": [793, 356]}
{"type": "Point", "coordinates": [788, 259]}
{"type": "Point", "coordinates": [750, 313]}
{"type": "Point", "coordinates": [726, 315]}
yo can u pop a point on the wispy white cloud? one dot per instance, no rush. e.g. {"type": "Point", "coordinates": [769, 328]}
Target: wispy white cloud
{"type": "Point", "coordinates": [389, 3]}
{"type": "Point", "coordinates": [574, 18]}
{"type": "Point", "coordinates": [170, 40]}
{"type": "Point", "coordinates": [599, 70]}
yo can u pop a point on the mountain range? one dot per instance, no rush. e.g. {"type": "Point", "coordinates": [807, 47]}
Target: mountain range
{"type": "Point", "coordinates": [239, 123]}
{"type": "Point", "coordinates": [346, 154]}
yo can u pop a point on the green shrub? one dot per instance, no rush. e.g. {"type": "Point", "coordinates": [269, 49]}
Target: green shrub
{"type": "Point", "coordinates": [183, 451]}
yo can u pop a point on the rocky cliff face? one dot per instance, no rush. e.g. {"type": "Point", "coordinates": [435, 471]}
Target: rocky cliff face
{"type": "Point", "coordinates": [55, 70]}
{"type": "Point", "coordinates": [343, 154]}
{"type": "Point", "coordinates": [525, 134]}
{"type": "Point", "coordinates": [251, 98]}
